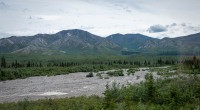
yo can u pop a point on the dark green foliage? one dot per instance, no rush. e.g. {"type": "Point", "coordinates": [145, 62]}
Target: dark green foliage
{"type": "Point", "coordinates": [115, 73]}
{"type": "Point", "coordinates": [193, 65]}
{"type": "Point", "coordinates": [132, 71]}
{"type": "Point", "coordinates": [175, 93]}
{"type": "Point", "coordinates": [160, 62]}
{"type": "Point", "coordinates": [34, 65]}
{"type": "Point", "coordinates": [99, 75]}
{"type": "Point", "coordinates": [166, 71]}
{"type": "Point", "coordinates": [90, 75]}
{"type": "Point", "coordinates": [3, 62]}
{"type": "Point", "coordinates": [151, 90]}
{"type": "Point", "coordinates": [108, 102]}
{"type": "Point", "coordinates": [28, 64]}
{"type": "Point", "coordinates": [74, 103]}
{"type": "Point", "coordinates": [38, 66]}
{"type": "Point", "coordinates": [145, 63]}
{"type": "Point", "coordinates": [18, 69]}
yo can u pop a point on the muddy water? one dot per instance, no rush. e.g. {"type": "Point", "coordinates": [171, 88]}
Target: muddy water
{"type": "Point", "coordinates": [74, 84]}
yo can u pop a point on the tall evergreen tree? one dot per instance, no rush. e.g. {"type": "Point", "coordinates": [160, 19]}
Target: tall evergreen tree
{"type": "Point", "coordinates": [145, 63]}
{"type": "Point", "coordinates": [3, 62]}
{"type": "Point", "coordinates": [28, 64]}
{"type": "Point", "coordinates": [40, 64]}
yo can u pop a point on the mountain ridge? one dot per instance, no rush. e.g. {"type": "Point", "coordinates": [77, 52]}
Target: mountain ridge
{"type": "Point", "coordinates": [78, 41]}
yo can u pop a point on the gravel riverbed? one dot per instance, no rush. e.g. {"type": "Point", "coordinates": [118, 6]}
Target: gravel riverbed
{"type": "Point", "coordinates": [74, 84]}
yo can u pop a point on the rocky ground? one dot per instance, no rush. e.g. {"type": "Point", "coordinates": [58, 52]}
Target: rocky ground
{"type": "Point", "coordinates": [74, 84]}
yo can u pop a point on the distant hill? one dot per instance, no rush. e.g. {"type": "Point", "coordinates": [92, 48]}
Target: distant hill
{"type": "Point", "coordinates": [67, 41]}
{"type": "Point", "coordinates": [131, 42]}
{"type": "Point", "coordinates": [82, 42]}
{"type": "Point", "coordinates": [187, 45]}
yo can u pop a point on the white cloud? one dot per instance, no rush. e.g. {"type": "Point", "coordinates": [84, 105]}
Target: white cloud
{"type": "Point", "coordinates": [175, 30]}
{"type": "Point", "coordinates": [157, 28]}
{"type": "Point", "coordinates": [101, 17]}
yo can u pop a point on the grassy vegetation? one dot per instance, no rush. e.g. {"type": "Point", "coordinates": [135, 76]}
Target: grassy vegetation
{"type": "Point", "coordinates": [74, 103]}
{"type": "Point", "coordinates": [177, 93]}
{"type": "Point", "coordinates": [180, 92]}
{"type": "Point", "coordinates": [16, 66]}
{"type": "Point", "coordinates": [132, 71]}
{"type": "Point", "coordinates": [188, 66]}
{"type": "Point", "coordinates": [115, 73]}
{"type": "Point", "coordinates": [100, 75]}
{"type": "Point", "coordinates": [165, 71]}
{"type": "Point", "coordinates": [16, 73]}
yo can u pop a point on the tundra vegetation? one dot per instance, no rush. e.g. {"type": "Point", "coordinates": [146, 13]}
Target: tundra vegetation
{"type": "Point", "coordinates": [178, 92]}
{"type": "Point", "coordinates": [19, 67]}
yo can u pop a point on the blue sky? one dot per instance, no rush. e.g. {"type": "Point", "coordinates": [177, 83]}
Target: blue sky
{"type": "Point", "coordinates": [156, 18]}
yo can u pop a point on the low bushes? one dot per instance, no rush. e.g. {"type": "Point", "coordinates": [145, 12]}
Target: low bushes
{"type": "Point", "coordinates": [90, 75]}
{"type": "Point", "coordinates": [115, 73]}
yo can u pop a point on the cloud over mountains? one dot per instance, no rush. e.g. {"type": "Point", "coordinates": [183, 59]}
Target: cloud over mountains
{"type": "Point", "coordinates": [101, 17]}
{"type": "Point", "coordinates": [172, 30]}
{"type": "Point", "coordinates": [157, 28]}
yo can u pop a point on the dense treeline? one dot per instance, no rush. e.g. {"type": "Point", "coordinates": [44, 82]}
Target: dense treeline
{"type": "Point", "coordinates": [193, 63]}
{"type": "Point", "coordinates": [190, 66]}
{"type": "Point", "coordinates": [17, 69]}
{"type": "Point", "coordinates": [17, 64]}
{"type": "Point", "coordinates": [168, 94]}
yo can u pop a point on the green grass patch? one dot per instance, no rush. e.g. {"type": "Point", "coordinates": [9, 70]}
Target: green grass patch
{"type": "Point", "coordinates": [132, 71]}
{"type": "Point", "coordinates": [115, 73]}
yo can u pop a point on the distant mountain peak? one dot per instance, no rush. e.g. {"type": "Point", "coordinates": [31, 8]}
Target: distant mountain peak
{"type": "Point", "coordinates": [71, 41]}
{"type": "Point", "coordinates": [129, 41]}
{"type": "Point", "coordinates": [80, 41]}
{"type": "Point", "coordinates": [72, 31]}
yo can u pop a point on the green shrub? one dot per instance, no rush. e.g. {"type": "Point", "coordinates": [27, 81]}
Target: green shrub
{"type": "Point", "coordinates": [132, 71]}
{"type": "Point", "coordinates": [99, 75]}
{"type": "Point", "coordinates": [115, 73]}
{"type": "Point", "coordinates": [90, 75]}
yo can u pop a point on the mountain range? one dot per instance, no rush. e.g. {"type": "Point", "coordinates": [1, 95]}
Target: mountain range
{"type": "Point", "coordinates": [82, 42]}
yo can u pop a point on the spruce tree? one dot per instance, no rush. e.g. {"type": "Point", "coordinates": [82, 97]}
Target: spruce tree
{"type": "Point", "coordinates": [3, 62]}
